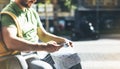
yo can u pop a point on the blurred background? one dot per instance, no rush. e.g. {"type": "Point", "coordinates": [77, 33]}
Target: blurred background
{"type": "Point", "coordinates": [78, 19]}
{"type": "Point", "coordinates": [93, 25]}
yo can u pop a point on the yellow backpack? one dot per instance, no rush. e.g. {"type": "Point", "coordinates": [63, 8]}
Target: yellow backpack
{"type": "Point", "coordinates": [3, 49]}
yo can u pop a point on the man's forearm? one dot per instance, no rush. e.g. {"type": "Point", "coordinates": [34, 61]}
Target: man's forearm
{"type": "Point", "coordinates": [23, 45]}
{"type": "Point", "coordinates": [49, 37]}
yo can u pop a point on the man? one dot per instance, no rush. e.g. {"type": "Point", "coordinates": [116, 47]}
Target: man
{"type": "Point", "coordinates": [32, 31]}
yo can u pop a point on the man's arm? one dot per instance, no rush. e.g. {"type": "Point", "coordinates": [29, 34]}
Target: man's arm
{"type": "Point", "coordinates": [15, 43]}
{"type": "Point", "coordinates": [46, 36]}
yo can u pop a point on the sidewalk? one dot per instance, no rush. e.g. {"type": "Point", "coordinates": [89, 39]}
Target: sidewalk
{"type": "Point", "coordinates": [99, 54]}
{"type": "Point", "coordinates": [100, 61]}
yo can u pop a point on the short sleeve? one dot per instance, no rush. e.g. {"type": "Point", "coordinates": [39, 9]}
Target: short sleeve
{"type": "Point", "coordinates": [7, 20]}
{"type": "Point", "coordinates": [39, 23]}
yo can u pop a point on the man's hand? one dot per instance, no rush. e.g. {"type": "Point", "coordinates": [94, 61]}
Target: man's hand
{"type": "Point", "coordinates": [52, 46]}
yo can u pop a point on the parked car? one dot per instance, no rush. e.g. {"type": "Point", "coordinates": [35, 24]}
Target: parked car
{"type": "Point", "coordinates": [84, 29]}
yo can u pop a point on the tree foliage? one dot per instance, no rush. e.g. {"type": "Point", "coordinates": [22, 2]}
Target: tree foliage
{"type": "Point", "coordinates": [68, 4]}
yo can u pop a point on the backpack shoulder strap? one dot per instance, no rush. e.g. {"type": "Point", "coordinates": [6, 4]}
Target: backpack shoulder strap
{"type": "Point", "coordinates": [16, 22]}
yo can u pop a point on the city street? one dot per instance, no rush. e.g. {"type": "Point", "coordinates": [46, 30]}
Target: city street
{"type": "Point", "coordinates": [103, 53]}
